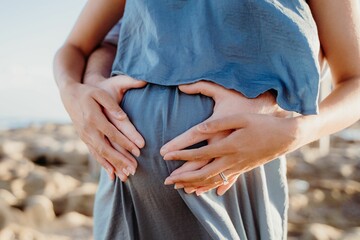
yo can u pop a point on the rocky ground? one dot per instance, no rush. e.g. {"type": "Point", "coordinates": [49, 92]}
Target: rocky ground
{"type": "Point", "coordinates": [47, 187]}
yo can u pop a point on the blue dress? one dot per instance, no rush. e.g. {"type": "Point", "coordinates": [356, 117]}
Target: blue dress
{"type": "Point", "coordinates": [251, 46]}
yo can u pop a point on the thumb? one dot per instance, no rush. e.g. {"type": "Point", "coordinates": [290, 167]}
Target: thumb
{"type": "Point", "coordinates": [202, 87]}
{"type": "Point", "coordinates": [125, 82]}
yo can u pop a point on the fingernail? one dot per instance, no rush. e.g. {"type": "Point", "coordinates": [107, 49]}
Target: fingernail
{"type": "Point", "coordinates": [220, 192]}
{"type": "Point", "coordinates": [178, 186]}
{"type": "Point", "coordinates": [135, 152]}
{"type": "Point", "coordinates": [131, 170]}
{"type": "Point", "coordinates": [139, 143]}
{"type": "Point", "coordinates": [168, 182]}
{"type": "Point", "coordinates": [202, 127]}
{"type": "Point", "coordinates": [167, 157]}
{"type": "Point", "coordinates": [126, 172]}
{"type": "Point", "coordinates": [110, 173]}
{"type": "Point", "coordinates": [122, 177]}
{"type": "Point", "coordinates": [109, 170]}
{"type": "Point", "coordinates": [163, 151]}
{"type": "Point", "coordinates": [189, 190]}
{"type": "Point", "coordinates": [199, 192]}
{"type": "Point", "coordinates": [111, 176]}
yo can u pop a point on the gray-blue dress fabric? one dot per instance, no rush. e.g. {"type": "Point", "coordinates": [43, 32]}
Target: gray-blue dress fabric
{"type": "Point", "coordinates": [247, 45]}
{"type": "Point", "coordinates": [250, 46]}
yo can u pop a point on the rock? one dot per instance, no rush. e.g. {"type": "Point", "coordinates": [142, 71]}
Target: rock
{"type": "Point", "coordinates": [13, 149]}
{"type": "Point", "coordinates": [71, 220]}
{"type": "Point", "coordinates": [14, 168]}
{"type": "Point", "coordinates": [73, 225]}
{"type": "Point", "coordinates": [349, 135]}
{"type": "Point", "coordinates": [9, 215]}
{"type": "Point", "coordinates": [5, 215]}
{"type": "Point", "coordinates": [317, 196]}
{"type": "Point", "coordinates": [39, 211]}
{"type": "Point", "coordinates": [352, 234]}
{"type": "Point", "coordinates": [317, 231]}
{"type": "Point", "coordinates": [19, 232]}
{"type": "Point", "coordinates": [44, 182]}
{"type": "Point", "coordinates": [81, 200]}
{"type": "Point", "coordinates": [298, 202]}
{"type": "Point", "coordinates": [46, 150]}
{"type": "Point", "coordinates": [7, 234]}
{"type": "Point", "coordinates": [7, 197]}
{"type": "Point", "coordinates": [298, 186]}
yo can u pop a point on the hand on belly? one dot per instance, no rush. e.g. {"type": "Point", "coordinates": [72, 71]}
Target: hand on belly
{"type": "Point", "coordinates": [227, 103]}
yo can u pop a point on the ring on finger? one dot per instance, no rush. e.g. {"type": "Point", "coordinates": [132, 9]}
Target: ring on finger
{"type": "Point", "coordinates": [224, 178]}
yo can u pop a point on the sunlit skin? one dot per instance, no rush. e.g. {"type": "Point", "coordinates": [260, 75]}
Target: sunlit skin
{"type": "Point", "coordinates": [238, 142]}
{"type": "Point", "coordinates": [257, 139]}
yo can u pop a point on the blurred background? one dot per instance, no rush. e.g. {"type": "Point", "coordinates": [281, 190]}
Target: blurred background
{"type": "Point", "coordinates": [48, 182]}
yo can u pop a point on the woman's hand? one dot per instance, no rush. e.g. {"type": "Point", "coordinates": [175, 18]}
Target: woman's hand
{"type": "Point", "coordinates": [227, 103]}
{"type": "Point", "coordinates": [89, 107]}
{"type": "Point", "coordinates": [255, 140]}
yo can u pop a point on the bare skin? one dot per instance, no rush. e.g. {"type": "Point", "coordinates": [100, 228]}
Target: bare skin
{"type": "Point", "coordinates": [250, 145]}
{"type": "Point", "coordinates": [108, 141]}
{"type": "Point", "coordinates": [100, 122]}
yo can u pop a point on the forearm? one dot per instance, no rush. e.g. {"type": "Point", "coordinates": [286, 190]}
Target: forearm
{"type": "Point", "coordinates": [69, 64]}
{"type": "Point", "coordinates": [99, 64]}
{"type": "Point", "coordinates": [338, 111]}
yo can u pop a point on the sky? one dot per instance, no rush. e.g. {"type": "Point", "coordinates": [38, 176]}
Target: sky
{"type": "Point", "coordinates": [30, 34]}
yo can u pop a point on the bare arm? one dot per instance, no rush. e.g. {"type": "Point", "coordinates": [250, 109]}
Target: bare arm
{"type": "Point", "coordinates": [99, 64]}
{"type": "Point", "coordinates": [257, 138]}
{"type": "Point", "coordinates": [85, 103]}
{"type": "Point", "coordinates": [340, 40]}
{"type": "Point", "coordinates": [94, 22]}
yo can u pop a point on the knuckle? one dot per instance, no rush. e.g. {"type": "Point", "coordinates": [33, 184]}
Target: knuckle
{"type": "Point", "coordinates": [213, 125]}
{"type": "Point", "coordinates": [192, 136]}
{"type": "Point", "coordinates": [101, 150]}
{"type": "Point", "coordinates": [202, 177]}
{"type": "Point", "coordinates": [197, 157]}
{"type": "Point", "coordinates": [84, 135]}
{"type": "Point", "coordinates": [201, 156]}
{"type": "Point", "coordinates": [110, 134]}
{"type": "Point", "coordinates": [88, 117]}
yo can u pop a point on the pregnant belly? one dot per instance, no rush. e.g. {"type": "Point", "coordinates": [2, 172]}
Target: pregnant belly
{"type": "Point", "coordinates": [161, 113]}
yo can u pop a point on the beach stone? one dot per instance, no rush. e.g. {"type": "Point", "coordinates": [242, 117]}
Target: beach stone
{"type": "Point", "coordinates": [71, 220]}
{"type": "Point", "coordinates": [298, 201]}
{"type": "Point", "coordinates": [9, 214]}
{"type": "Point", "coordinates": [44, 182]}
{"type": "Point", "coordinates": [352, 234]}
{"type": "Point", "coordinates": [20, 232]}
{"type": "Point", "coordinates": [7, 197]}
{"type": "Point", "coordinates": [47, 151]}
{"type": "Point", "coordinates": [7, 234]}
{"type": "Point", "coordinates": [298, 186]}
{"type": "Point", "coordinates": [13, 149]}
{"type": "Point", "coordinates": [39, 210]}
{"type": "Point", "coordinates": [81, 200]}
{"type": "Point", "coordinates": [5, 215]}
{"type": "Point", "coordinates": [14, 168]}
{"type": "Point", "coordinates": [317, 231]}
{"type": "Point", "coordinates": [72, 225]}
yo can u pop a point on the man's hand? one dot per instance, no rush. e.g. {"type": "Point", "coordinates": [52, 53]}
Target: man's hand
{"type": "Point", "coordinates": [109, 143]}
{"type": "Point", "coordinates": [228, 103]}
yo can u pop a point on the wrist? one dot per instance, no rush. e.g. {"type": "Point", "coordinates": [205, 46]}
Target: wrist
{"type": "Point", "coordinates": [68, 88]}
{"type": "Point", "coordinates": [93, 79]}
{"type": "Point", "coordinates": [307, 129]}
